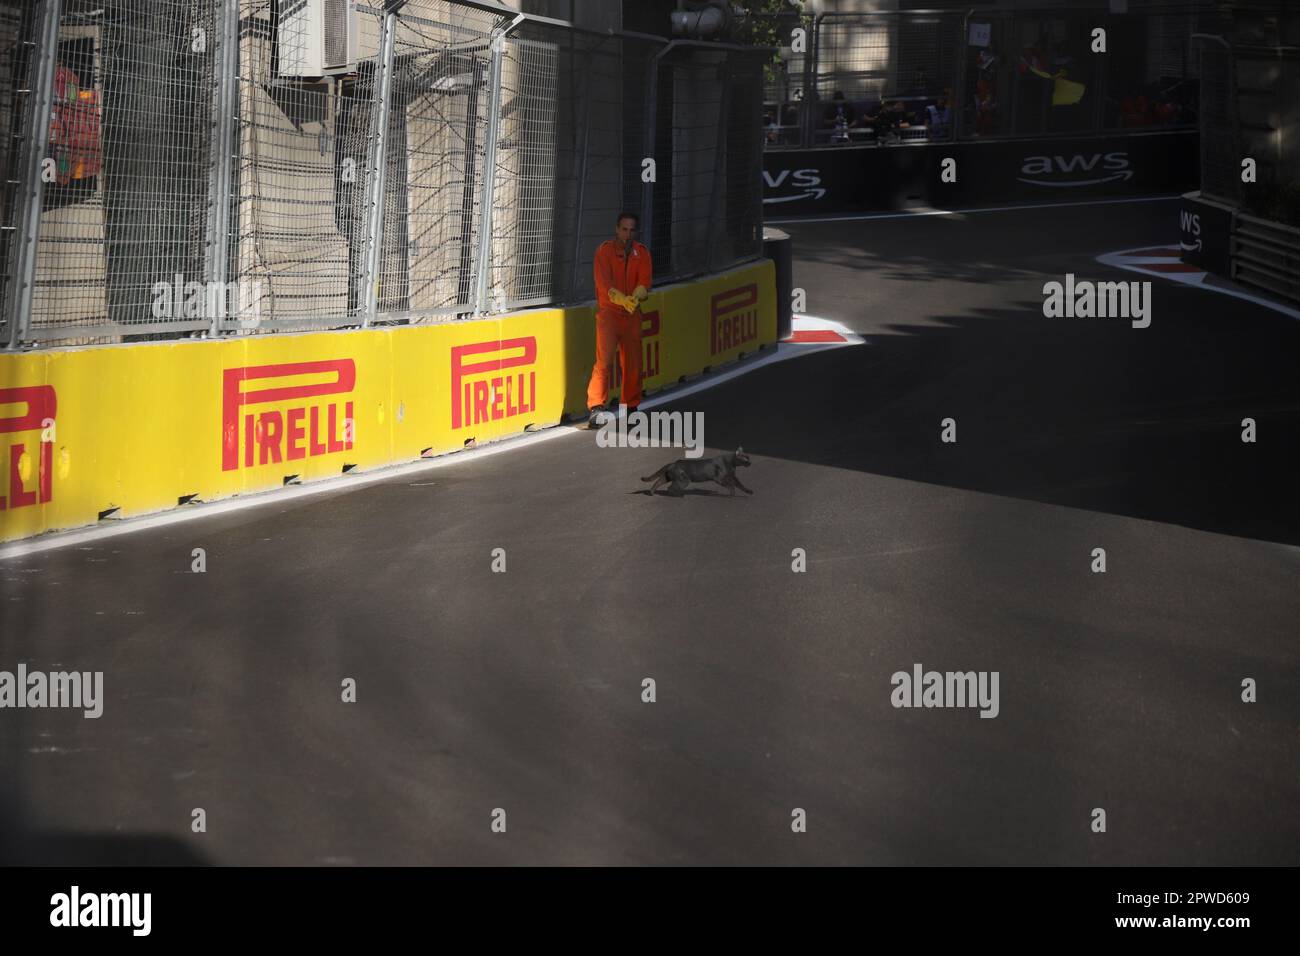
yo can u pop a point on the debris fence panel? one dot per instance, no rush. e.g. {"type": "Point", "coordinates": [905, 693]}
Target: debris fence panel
{"type": "Point", "coordinates": [235, 167]}
{"type": "Point", "coordinates": [1220, 143]}
{"type": "Point", "coordinates": [704, 210]}
{"type": "Point", "coordinates": [125, 171]}
{"type": "Point", "coordinates": [524, 193]}
{"type": "Point", "coordinates": [299, 184]}
{"type": "Point", "coordinates": [18, 66]}
{"type": "Point", "coordinates": [438, 127]}
{"type": "Point", "coordinates": [599, 137]}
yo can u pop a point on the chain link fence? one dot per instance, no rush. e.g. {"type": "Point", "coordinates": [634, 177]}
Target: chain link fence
{"type": "Point", "coordinates": [124, 200]}
{"type": "Point", "coordinates": [914, 76]}
{"type": "Point", "coordinates": [704, 209]}
{"type": "Point", "coordinates": [435, 154]}
{"type": "Point", "coordinates": [1220, 142]}
{"type": "Point", "coordinates": [223, 168]}
{"type": "Point", "coordinates": [297, 187]}
{"type": "Point", "coordinates": [18, 65]}
{"type": "Point", "coordinates": [600, 133]}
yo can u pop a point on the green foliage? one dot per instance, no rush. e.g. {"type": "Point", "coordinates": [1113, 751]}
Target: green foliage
{"type": "Point", "coordinates": [767, 23]}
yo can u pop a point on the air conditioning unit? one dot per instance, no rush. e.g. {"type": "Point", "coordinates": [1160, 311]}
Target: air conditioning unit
{"type": "Point", "coordinates": [316, 38]}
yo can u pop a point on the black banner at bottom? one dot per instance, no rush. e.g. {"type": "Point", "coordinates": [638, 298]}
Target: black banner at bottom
{"type": "Point", "coordinates": [333, 906]}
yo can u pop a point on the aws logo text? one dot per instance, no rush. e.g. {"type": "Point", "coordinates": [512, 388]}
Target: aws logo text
{"type": "Point", "coordinates": [302, 431]}
{"type": "Point", "coordinates": [1064, 170]}
{"type": "Point", "coordinates": [39, 407]}
{"type": "Point", "coordinates": [733, 318]}
{"type": "Point", "coordinates": [807, 180]}
{"type": "Point", "coordinates": [493, 398]}
{"type": "Point", "coordinates": [1191, 225]}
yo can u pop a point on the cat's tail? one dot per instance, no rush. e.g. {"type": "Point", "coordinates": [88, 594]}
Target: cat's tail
{"type": "Point", "coordinates": [657, 475]}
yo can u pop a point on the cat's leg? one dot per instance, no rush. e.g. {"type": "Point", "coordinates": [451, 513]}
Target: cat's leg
{"type": "Point", "coordinates": [725, 482]}
{"type": "Point", "coordinates": [741, 485]}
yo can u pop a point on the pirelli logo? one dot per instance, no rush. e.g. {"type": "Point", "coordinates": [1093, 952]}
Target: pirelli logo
{"type": "Point", "coordinates": [29, 475]}
{"type": "Point", "coordinates": [305, 430]}
{"type": "Point", "coordinates": [733, 318]}
{"type": "Point", "coordinates": [650, 349]}
{"type": "Point", "coordinates": [480, 390]}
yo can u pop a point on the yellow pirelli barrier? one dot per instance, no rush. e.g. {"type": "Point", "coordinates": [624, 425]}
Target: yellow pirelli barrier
{"type": "Point", "coordinates": [691, 327]}
{"type": "Point", "coordinates": [126, 430]}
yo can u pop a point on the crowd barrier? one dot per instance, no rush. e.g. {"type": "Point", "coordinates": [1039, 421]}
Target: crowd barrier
{"type": "Point", "coordinates": [858, 179]}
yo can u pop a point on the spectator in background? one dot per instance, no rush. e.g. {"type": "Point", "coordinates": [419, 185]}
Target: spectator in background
{"type": "Point", "coordinates": [939, 118]}
{"type": "Point", "coordinates": [986, 108]}
{"type": "Point", "coordinates": [986, 102]}
{"type": "Point", "coordinates": [839, 116]}
{"type": "Point", "coordinates": [1134, 111]}
{"type": "Point", "coordinates": [789, 128]}
{"type": "Point", "coordinates": [892, 118]}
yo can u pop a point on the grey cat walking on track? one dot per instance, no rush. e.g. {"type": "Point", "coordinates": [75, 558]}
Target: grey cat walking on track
{"type": "Point", "coordinates": [720, 468]}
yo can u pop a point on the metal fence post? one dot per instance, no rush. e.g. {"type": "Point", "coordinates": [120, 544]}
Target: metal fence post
{"type": "Point", "coordinates": [378, 168]}
{"type": "Point", "coordinates": [40, 108]}
{"type": "Point", "coordinates": [651, 132]}
{"type": "Point", "coordinates": [1101, 85]}
{"type": "Point", "coordinates": [722, 150]}
{"type": "Point", "coordinates": [959, 90]}
{"type": "Point", "coordinates": [810, 95]}
{"type": "Point", "coordinates": [484, 263]}
{"type": "Point", "coordinates": [651, 104]}
{"type": "Point", "coordinates": [809, 65]}
{"type": "Point", "coordinates": [225, 114]}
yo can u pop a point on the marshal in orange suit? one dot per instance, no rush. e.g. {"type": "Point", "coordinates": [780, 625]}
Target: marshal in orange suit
{"type": "Point", "coordinates": [623, 274]}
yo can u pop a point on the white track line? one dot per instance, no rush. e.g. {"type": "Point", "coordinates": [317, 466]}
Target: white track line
{"type": "Point", "coordinates": [346, 483]}
{"type": "Point", "coordinates": [1202, 280]}
{"type": "Point", "coordinates": [963, 212]}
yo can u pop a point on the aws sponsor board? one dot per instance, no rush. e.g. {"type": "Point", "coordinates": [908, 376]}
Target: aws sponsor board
{"type": "Point", "coordinates": [1205, 233]}
{"type": "Point", "coordinates": [867, 178]}
{"type": "Point", "coordinates": [89, 434]}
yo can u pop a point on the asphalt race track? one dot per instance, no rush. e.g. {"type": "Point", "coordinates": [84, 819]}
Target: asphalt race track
{"type": "Point", "coordinates": [522, 690]}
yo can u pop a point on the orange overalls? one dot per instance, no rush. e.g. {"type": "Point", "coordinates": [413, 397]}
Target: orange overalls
{"type": "Point", "coordinates": [615, 326]}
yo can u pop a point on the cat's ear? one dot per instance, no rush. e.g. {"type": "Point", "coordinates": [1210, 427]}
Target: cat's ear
{"type": "Point", "coordinates": [740, 450]}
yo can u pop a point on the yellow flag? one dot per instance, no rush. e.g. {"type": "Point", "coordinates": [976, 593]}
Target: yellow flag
{"type": "Point", "coordinates": [1067, 92]}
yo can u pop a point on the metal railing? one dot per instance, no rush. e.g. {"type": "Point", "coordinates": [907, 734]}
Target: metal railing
{"type": "Point", "coordinates": [470, 162]}
{"type": "Point", "coordinates": [1266, 255]}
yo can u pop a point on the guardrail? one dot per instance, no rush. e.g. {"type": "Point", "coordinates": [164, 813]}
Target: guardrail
{"type": "Point", "coordinates": [1266, 255]}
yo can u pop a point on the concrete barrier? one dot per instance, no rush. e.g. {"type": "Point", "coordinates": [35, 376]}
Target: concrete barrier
{"type": "Point", "coordinates": [93, 433]}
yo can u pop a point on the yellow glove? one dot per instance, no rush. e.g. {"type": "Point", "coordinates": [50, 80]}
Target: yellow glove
{"type": "Point", "coordinates": [640, 293]}
{"type": "Point", "coordinates": [618, 298]}
{"type": "Point", "coordinates": [631, 304]}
